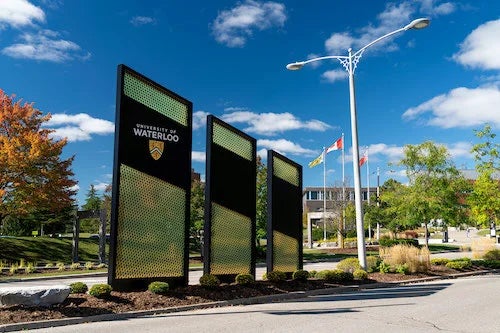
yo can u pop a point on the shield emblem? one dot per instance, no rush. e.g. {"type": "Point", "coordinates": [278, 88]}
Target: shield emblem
{"type": "Point", "coordinates": [156, 148]}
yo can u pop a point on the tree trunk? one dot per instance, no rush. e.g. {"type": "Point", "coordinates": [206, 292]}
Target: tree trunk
{"type": "Point", "coordinates": [426, 235]}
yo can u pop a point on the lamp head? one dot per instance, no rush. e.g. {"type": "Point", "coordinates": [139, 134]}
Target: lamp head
{"type": "Point", "coordinates": [420, 23]}
{"type": "Point", "coordinates": [295, 66]}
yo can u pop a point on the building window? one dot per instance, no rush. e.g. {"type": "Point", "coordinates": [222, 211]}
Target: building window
{"type": "Point", "coordinates": [314, 195]}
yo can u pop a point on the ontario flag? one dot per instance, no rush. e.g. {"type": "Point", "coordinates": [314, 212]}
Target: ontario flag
{"type": "Point", "coordinates": [335, 146]}
{"type": "Point", "coordinates": [316, 161]}
{"type": "Point", "coordinates": [363, 159]}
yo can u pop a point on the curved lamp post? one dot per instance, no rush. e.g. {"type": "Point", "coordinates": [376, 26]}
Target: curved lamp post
{"type": "Point", "coordinates": [349, 63]}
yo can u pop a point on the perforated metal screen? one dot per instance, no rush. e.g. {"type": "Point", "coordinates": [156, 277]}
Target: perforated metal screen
{"type": "Point", "coordinates": [230, 201]}
{"type": "Point", "coordinates": [284, 226]}
{"type": "Point", "coordinates": [151, 184]}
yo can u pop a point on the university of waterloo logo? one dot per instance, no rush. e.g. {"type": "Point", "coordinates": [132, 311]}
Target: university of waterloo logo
{"type": "Point", "coordinates": [156, 149]}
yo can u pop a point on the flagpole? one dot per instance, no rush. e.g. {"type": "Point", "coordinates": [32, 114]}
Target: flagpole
{"type": "Point", "coordinates": [342, 221]}
{"type": "Point", "coordinates": [368, 190]}
{"type": "Point", "coordinates": [324, 193]}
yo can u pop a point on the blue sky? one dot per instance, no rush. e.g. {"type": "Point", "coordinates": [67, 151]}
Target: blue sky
{"type": "Point", "coordinates": [229, 58]}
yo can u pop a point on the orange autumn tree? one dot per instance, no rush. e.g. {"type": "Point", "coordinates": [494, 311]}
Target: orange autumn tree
{"type": "Point", "coordinates": [33, 177]}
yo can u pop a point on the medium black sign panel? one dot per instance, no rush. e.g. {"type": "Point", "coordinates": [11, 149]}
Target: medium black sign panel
{"type": "Point", "coordinates": [151, 184]}
{"type": "Point", "coordinates": [284, 214]}
{"type": "Point", "coordinates": [230, 200]}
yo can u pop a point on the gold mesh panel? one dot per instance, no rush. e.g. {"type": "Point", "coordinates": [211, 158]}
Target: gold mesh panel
{"type": "Point", "coordinates": [232, 141]}
{"type": "Point", "coordinates": [285, 253]}
{"type": "Point", "coordinates": [150, 238]}
{"type": "Point", "coordinates": [230, 251]}
{"type": "Point", "coordinates": [285, 171]}
{"type": "Point", "coordinates": [155, 99]}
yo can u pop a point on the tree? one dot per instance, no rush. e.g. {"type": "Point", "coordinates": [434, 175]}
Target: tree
{"type": "Point", "coordinates": [32, 174]}
{"type": "Point", "coordinates": [391, 212]}
{"type": "Point", "coordinates": [94, 203]}
{"type": "Point", "coordinates": [261, 209]}
{"type": "Point", "coordinates": [197, 217]}
{"type": "Point", "coordinates": [431, 193]}
{"type": "Point", "coordinates": [485, 197]}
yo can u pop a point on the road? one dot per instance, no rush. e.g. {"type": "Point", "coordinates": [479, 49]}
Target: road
{"type": "Point", "coordinates": [194, 275]}
{"type": "Point", "coordinates": [461, 305]}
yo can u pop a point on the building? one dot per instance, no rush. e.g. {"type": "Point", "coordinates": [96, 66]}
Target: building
{"type": "Point", "coordinates": [313, 197]}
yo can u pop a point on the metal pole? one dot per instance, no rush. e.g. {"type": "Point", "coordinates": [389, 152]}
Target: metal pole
{"type": "Point", "coordinates": [368, 191]}
{"type": "Point", "coordinates": [324, 194]}
{"type": "Point", "coordinates": [342, 225]}
{"type": "Point", "coordinates": [378, 200]}
{"type": "Point", "coordinates": [360, 233]}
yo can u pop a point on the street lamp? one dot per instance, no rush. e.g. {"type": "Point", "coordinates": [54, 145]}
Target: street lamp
{"type": "Point", "coordinates": [349, 63]}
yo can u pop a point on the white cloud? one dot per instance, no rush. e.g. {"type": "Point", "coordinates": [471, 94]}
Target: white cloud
{"type": "Point", "coordinates": [79, 127]}
{"type": "Point", "coordinates": [142, 20]}
{"type": "Point", "coordinates": [18, 13]}
{"type": "Point", "coordinates": [461, 107]}
{"type": "Point", "coordinates": [284, 147]}
{"type": "Point", "coordinates": [101, 186]}
{"type": "Point", "coordinates": [199, 119]}
{"type": "Point", "coordinates": [198, 156]}
{"type": "Point", "coordinates": [334, 75]}
{"type": "Point", "coordinates": [232, 27]}
{"type": "Point", "coordinates": [394, 16]}
{"type": "Point", "coordinates": [459, 149]}
{"type": "Point", "coordinates": [273, 123]}
{"type": "Point", "coordinates": [481, 47]}
{"type": "Point", "coordinates": [45, 46]}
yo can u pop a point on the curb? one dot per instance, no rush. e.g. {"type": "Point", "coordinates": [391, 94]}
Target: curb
{"type": "Point", "coordinates": [218, 304]}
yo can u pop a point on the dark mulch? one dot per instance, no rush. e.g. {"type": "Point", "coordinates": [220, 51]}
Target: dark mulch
{"type": "Point", "coordinates": [83, 305]}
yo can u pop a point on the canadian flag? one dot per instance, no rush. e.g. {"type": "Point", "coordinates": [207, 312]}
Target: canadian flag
{"type": "Point", "coordinates": [363, 159]}
{"type": "Point", "coordinates": [335, 146]}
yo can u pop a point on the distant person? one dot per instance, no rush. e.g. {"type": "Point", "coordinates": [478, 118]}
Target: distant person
{"type": "Point", "coordinates": [467, 233]}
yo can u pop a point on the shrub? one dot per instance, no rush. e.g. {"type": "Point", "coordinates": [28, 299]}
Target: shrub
{"type": "Point", "coordinates": [360, 274]}
{"type": "Point", "coordinates": [276, 276]}
{"type": "Point", "coordinates": [60, 266]}
{"type": "Point", "coordinates": [384, 268]}
{"type": "Point", "coordinates": [492, 255]}
{"type": "Point", "coordinates": [402, 269]}
{"type": "Point", "coordinates": [300, 275]}
{"type": "Point", "coordinates": [209, 281]}
{"type": "Point", "coordinates": [30, 268]}
{"type": "Point", "coordinates": [244, 279]}
{"type": "Point", "coordinates": [49, 265]}
{"type": "Point", "coordinates": [417, 259]}
{"type": "Point", "coordinates": [469, 260]}
{"type": "Point", "coordinates": [343, 276]}
{"type": "Point", "coordinates": [372, 263]}
{"type": "Point", "coordinates": [335, 275]}
{"type": "Point", "coordinates": [14, 268]}
{"type": "Point", "coordinates": [100, 290]}
{"type": "Point", "coordinates": [326, 275]}
{"type": "Point", "coordinates": [387, 242]}
{"type": "Point", "coordinates": [101, 266]}
{"type": "Point", "coordinates": [74, 266]}
{"type": "Point", "coordinates": [312, 274]}
{"type": "Point", "coordinates": [459, 265]}
{"type": "Point", "coordinates": [494, 264]}
{"type": "Point", "coordinates": [89, 265]}
{"type": "Point", "coordinates": [349, 265]}
{"type": "Point", "coordinates": [440, 261]}
{"type": "Point", "coordinates": [482, 246]}
{"type": "Point", "coordinates": [158, 287]}
{"type": "Point", "coordinates": [78, 288]}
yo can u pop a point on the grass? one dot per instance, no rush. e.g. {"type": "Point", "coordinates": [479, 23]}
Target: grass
{"type": "Point", "coordinates": [43, 249]}
{"type": "Point", "coordinates": [54, 273]}
{"type": "Point", "coordinates": [443, 248]}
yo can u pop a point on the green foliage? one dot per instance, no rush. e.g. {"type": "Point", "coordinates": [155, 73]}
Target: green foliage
{"type": "Point", "coordinates": [372, 263]}
{"type": "Point", "coordinates": [92, 201]}
{"type": "Point", "coordinates": [493, 264]}
{"type": "Point", "coordinates": [49, 265]}
{"type": "Point", "coordinates": [276, 276]}
{"type": "Point", "coordinates": [300, 275]}
{"type": "Point", "coordinates": [486, 153]}
{"type": "Point", "coordinates": [159, 287]}
{"type": "Point", "coordinates": [100, 290]}
{"type": "Point", "coordinates": [459, 264]}
{"type": "Point", "coordinates": [30, 268]}
{"type": "Point", "coordinates": [196, 221]}
{"type": "Point", "coordinates": [313, 273]}
{"type": "Point", "coordinates": [78, 288]}
{"type": "Point", "coordinates": [89, 265]}
{"type": "Point", "coordinates": [384, 268]}
{"type": "Point", "coordinates": [484, 200]}
{"type": "Point", "coordinates": [360, 274]}
{"type": "Point", "coordinates": [440, 261]}
{"type": "Point", "coordinates": [387, 242]}
{"type": "Point", "coordinates": [403, 269]}
{"type": "Point", "coordinates": [101, 265]}
{"type": "Point", "coordinates": [209, 281]}
{"type": "Point", "coordinates": [14, 268]}
{"type": "Point", "coordinates": [244, 279]}
{"type": "Point", "coordinates": [60, 266]}
{"type": "Point", "coordinates": [74, 266]}
{"type": "Point", "coordinates": [492, 255]}
{"type": "Point", "coordinates": [261, 208]}
{"type": "Point", "coordinates": [349, 265]}
{"type": "Point", "coordinates": [335, 275]}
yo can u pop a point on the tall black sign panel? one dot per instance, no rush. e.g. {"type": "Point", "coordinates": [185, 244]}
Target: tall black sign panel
{"type": "Point", "coordinates": [151, 184]}
{"type": "Point", "coordinates": [230, 200]}
{"type": "Point", "coordinates": [284, 214]}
